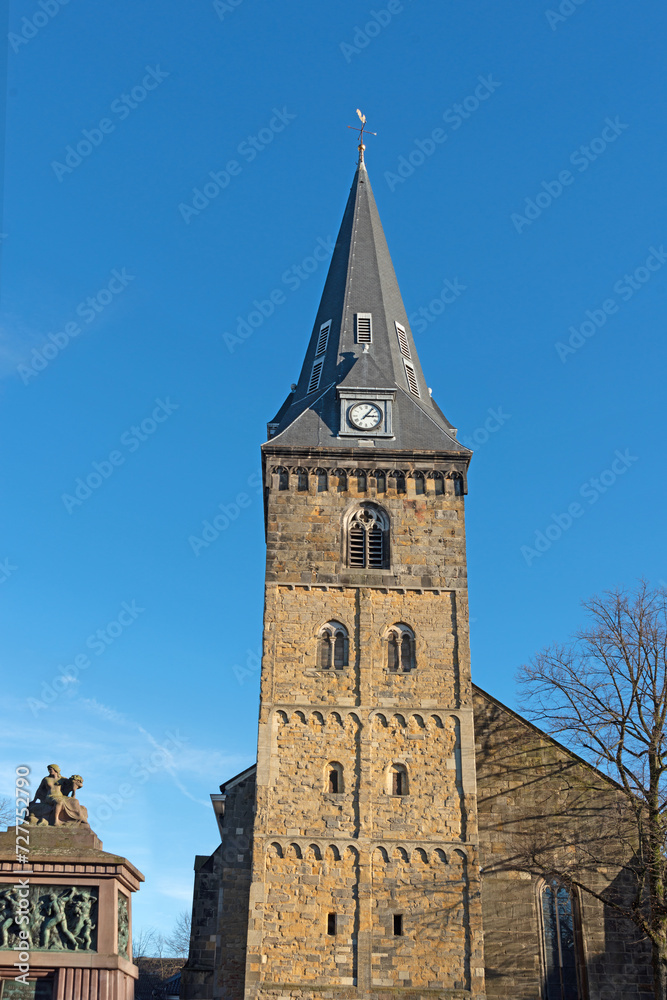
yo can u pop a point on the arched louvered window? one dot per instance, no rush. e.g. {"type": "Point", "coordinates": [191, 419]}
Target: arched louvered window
{"type": "Point", "coordinates": [322, 480]}
{"type": "Point", "coordinates": [368, 538]}
{"type": "Point", "coordinates": [400, 649]}
{"type": "Point", "coordinates": [333, 646]}
{"type": "Point", "coordinates": [560, 943]}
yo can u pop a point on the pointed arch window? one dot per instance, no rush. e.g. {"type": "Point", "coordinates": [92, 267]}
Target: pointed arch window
{"type": "Point", "coordinates": [400, 649]}
{"type": "Point", "coordinates": [561, 936]}
{"type": "Point", "coordinates": [368, 537]}
{"type": "Point", "coordinates": [332, 646]}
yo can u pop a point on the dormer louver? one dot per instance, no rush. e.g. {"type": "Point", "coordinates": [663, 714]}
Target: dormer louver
{"type": "Point", "coordinates": [364, 328]}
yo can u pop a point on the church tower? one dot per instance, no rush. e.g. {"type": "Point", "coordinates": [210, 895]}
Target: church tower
{"type": "Point", "coordinates": [365, 872]}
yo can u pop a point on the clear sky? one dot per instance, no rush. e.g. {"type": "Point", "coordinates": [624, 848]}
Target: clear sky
{"type": "Point", "coordinates": [170, 166]}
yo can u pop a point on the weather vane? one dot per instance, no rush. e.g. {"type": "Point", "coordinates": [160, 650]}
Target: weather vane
{"type": "Point", "coordinates": [361, 147]}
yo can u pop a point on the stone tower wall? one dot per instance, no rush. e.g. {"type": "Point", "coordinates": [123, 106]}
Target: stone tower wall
{"type": "Point", "coordinates": [363, 853]}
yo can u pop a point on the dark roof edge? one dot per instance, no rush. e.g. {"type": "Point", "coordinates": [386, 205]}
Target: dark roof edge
{"type": "Point", "coordinates": [381, 457]}
{"type": "Point", "coordinates": [549, 739]}
{"type": "Point", "coordinates": [237, 778]}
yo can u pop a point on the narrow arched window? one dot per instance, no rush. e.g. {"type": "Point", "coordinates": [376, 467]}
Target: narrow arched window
{"type": "Point", "coordinates": [398, 780]}
{"type": "Point", "coordinates": [361, 480]}
{"type": "Point", "coordinates": [393, 652]}
{"type": "Point", "coordinates": [322, 480]}
{"type": "Point", "coordinates": [302, 480]}
{"type": "Point", "coordinates": [332, 646]}
{"type": "Point", "coordinates": [368, 538]}
{"type": "Point", "coordinates": [283, 478]}
{"type": "Point", "coordinates": [560, 935]}
{"type": "Point", "coordinates": [334, 778]}
{"type": "Point", "coordinates": [400, 649]}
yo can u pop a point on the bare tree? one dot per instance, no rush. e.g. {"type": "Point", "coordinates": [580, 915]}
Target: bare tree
{"type": "Point", "coordinates": [605, 695]}
{"type": "Point", "coordinates": [178, 942]}
{"type": "Point", "coordinates": [143, 942]}
{"type": "Point", "coordinates": [7, 812]}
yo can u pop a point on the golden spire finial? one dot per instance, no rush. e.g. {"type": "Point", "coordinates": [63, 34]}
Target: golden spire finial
{"type": "Point", "coordinates": [361, 147]}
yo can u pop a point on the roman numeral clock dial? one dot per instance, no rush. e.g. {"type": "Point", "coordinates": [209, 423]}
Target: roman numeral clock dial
{"type": "Point", "coordinates": [365, 416]}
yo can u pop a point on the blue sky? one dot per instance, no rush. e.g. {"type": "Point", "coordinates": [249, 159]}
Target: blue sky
{"type": "Point", "coordinates": [519, 157]}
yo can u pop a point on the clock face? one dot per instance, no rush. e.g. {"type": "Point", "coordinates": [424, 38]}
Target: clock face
{"type": "Point", "coordinates": [365, 416]}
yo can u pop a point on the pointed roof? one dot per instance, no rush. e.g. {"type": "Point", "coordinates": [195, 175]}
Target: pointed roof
{"type": "Point", "coordinates": [361, 280]}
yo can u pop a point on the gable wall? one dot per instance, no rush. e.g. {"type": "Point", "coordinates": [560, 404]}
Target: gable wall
{"type": "Point", "coordinates": [533, 794]}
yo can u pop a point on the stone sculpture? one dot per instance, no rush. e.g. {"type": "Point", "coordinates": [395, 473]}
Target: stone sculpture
{"type": "Point", "coordinates": [59, 920]}
{"type": "Point", "coordinates": [55, 801]}
{"type": "Point", "coordinates": [123, 926]}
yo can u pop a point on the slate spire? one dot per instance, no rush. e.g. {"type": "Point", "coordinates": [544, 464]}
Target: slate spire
{"type": "Point", "coordinates": [361, 341]}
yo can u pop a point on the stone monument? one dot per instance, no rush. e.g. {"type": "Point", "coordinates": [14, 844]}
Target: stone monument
{"type": "Point", "coordinates": [65, 904]}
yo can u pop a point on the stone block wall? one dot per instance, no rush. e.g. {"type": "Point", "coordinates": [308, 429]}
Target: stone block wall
{"type": "Point", "coordinates": [216, 963]}
{"type": "Point", "coordinates": [305, 527]}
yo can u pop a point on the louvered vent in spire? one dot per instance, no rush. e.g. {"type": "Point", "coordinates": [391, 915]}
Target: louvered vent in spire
{"type": "Point", "coordinates": [315, 376]}
{"type": "Point", "coordinates": [364, 328]}
{"type": "Point", "coordinates": [323, 338]}
{"type": "Point", "coordinates": [413, 384]}
{"type": "Point", "coordinates": [403, 341]}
